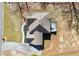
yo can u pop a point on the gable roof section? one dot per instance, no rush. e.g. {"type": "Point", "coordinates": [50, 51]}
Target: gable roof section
{"type": "Point", "coordinates": [41, 24]}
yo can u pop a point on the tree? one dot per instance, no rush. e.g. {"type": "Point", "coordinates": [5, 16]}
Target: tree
{"type": "Point", "coordinates": [27, 6]}
{"type": "Point", "coordinates": [75, 11]}
{"type": "Point", "coordinates": [22, 17]}
{"type": "Point", "coordinates": [70, 14]}
{"type": "Point", "coordinates": [44, 4]}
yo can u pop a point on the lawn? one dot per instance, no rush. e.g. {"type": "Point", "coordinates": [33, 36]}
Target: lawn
{"type": "Point", "coordinates": [9, 29]}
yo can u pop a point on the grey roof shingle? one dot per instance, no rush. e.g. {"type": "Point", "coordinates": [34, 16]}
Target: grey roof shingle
{"type": "Point", "coordinates": [42, 20]}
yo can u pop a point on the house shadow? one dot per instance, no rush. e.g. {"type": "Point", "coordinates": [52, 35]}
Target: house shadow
{"type": "Point", "coordinates": [46, 36]}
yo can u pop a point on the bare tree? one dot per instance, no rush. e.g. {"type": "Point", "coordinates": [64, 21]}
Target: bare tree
{"type": "Point", "coordinates": [22, 17]}
{"type": "Point", "coordinates": [70, 22]}
{"type": "Point", "coordinates": [53, 4]}
{"type": "Point", "coordinates": [44, 4]}
{"type": "Point", "coordinates": [75, 11]}
{"type": "Point", "coordinates": [27, 6]}
{"type": "Point", "coordinates": [74, 8]}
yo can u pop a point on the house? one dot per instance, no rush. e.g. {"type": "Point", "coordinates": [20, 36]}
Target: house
{"type": "Point", "coordinates": [37, 24]}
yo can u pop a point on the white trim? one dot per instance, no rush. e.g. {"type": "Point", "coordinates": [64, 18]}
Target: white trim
{"type": "Point", "coordinates": [22, 29]}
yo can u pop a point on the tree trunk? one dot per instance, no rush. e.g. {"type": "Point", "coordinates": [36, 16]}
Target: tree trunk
{"type": "Point", "coordinates": [74, 8]}
{"type": "Point", "coordinates": [44, 5]}
{"type": "Point", "coordinates": [27, 6]}
{"type": "Point", "coordinates": [70, 23]}
{"type": "Point", "coordinates": [22, 17]}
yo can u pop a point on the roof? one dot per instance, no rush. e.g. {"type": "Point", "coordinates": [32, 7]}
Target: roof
{"type": "Point", "coordinates": [41, 23]}
{"type": "Point", "coordinates": [37, 15]}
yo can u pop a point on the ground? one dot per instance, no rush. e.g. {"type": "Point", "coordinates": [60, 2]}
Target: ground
{"type": "Point", "coordinates": [12, 30]}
